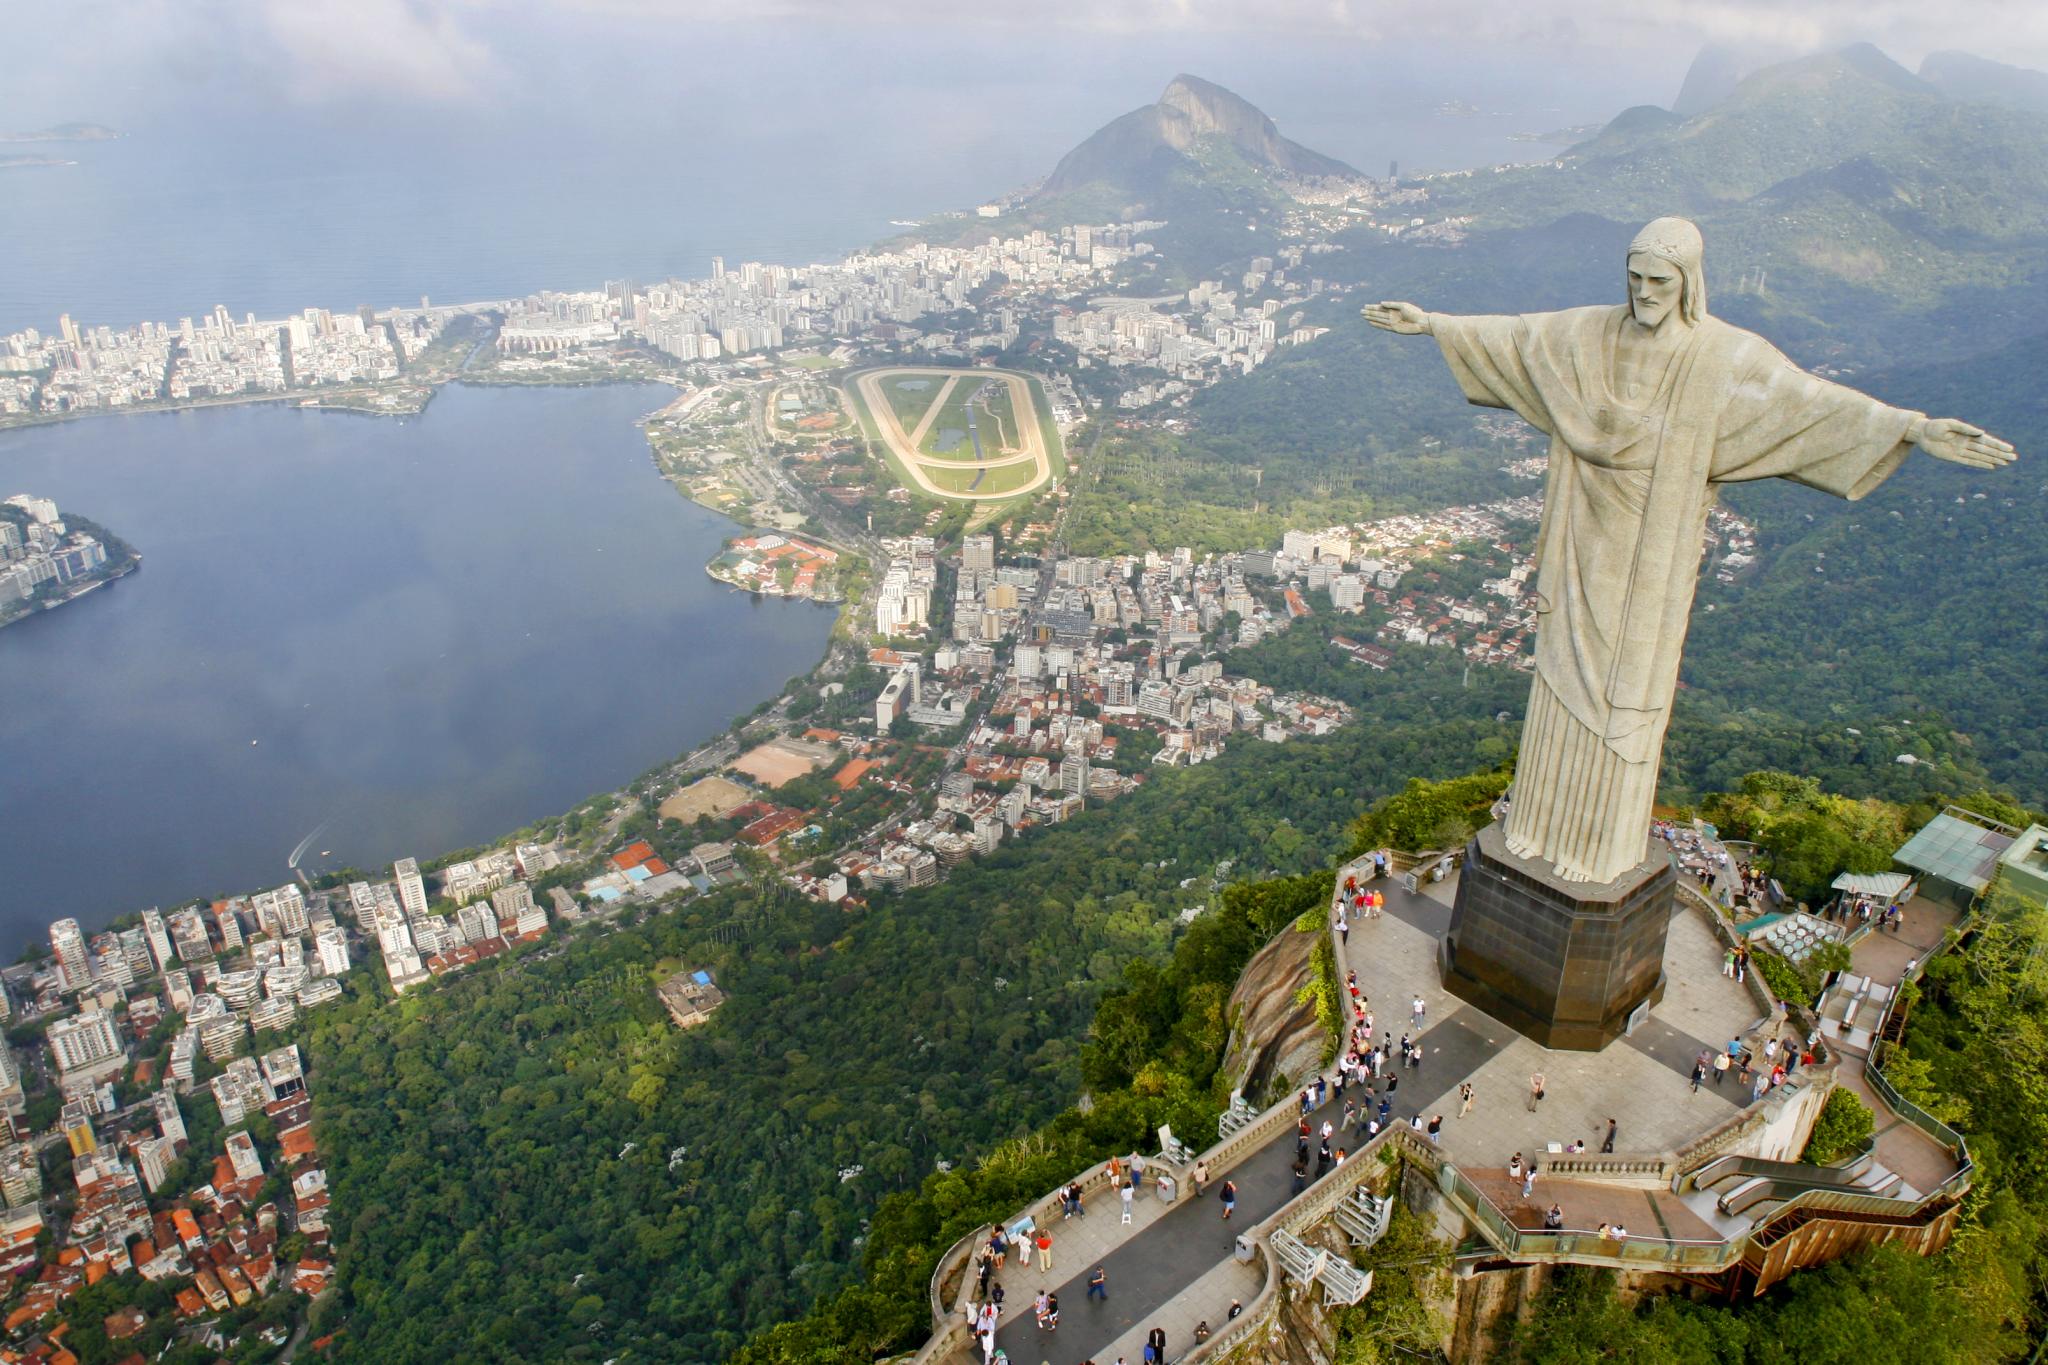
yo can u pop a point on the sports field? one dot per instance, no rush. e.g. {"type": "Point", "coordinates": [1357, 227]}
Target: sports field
{"type": "Point", "coordinates": [969, 434]}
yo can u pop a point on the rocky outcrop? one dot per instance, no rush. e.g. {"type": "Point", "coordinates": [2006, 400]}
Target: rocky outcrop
{"type": "Point", "coordinates": [1132, 152]}
{"type": "Point", "coordinates": [1274, 1037]}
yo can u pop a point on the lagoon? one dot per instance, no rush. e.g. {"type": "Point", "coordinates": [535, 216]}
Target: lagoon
{"type": "Point", "coordinates": [410, 636]}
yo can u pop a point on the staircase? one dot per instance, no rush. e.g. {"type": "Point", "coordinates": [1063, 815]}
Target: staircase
{"type": "Point", "coordinates": [1343, 1283]}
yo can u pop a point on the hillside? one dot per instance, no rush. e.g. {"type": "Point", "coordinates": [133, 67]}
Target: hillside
{"type": "Point", "coordinates": [1141, 152]}
{"type": "Point", "coordinates": [1965, 76]}
{"type": "Point", "coordinates": [1858, 217]}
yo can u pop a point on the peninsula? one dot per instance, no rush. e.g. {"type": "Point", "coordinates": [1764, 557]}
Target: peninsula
{"type": "Point", "coordinates": [46, 560]}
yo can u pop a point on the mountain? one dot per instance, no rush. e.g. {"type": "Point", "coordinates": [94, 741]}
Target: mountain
{"type": "Point", "coordinates": [1979, 80]}
{"type": "Point", "coordinates": [1145, 149]}
{"type": "Point", "coordinates": [1865, 196]}
{"type": "Point", "coordinates": [1715, 73]}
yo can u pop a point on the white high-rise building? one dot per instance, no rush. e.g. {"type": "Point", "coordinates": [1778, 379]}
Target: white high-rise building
{"type": "Point", "coordinates": [159, 939]}
{"type": "Point", "coordinates": [1074, 775]}
{"type": "Point", "coordinates": [230, 922]}
{"type": "Point", "coordinates": [281, 912]}
{"type": "Point", "coordinates": [332, 947]}
{"type": "Point", "coordinates": [412, 892]}
{"type": "Point", "coordinates": [168, 1117]}
{"type": "Point", "coordinates": [83, 1041]}
{"type": "Point", "coordinates": [978, 554]}
{"type": "Point", "coordinates": [72, 958]}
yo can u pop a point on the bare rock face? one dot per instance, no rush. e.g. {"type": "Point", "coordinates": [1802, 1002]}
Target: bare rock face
{"type": "Point", "coordinates": [1271, 1034]}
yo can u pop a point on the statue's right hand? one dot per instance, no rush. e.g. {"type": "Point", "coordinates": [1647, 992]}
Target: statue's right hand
{"type": "Point", "coordinates": [1404, 318]}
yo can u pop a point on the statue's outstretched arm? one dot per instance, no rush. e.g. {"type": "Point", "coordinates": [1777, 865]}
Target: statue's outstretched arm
{"type": "Point", "coordinates": [1945, 438]}
{"type": "Point", "coordinates": [1404, 318]}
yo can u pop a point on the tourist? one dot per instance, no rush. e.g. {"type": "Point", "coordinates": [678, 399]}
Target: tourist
{"type": "Point", "coordinates": [1155, 1346]}
{"type": "Point", "coordinates": [1728, 963]}
{"type": "Point", "coordinates": [1436, 1130]}
{"type": "Point", "coordinates": [1515, 1166]}
{"type": "Point", "coordinates": [1322, 1091]}
{"type": "Point", "coordinates": [1300, 1176]}
{"type": "Point", "coordinates": [1044, 1251]}
{"type": "Point", "coordinates": [1039, 1306]}
{"type": "Point", "coordinates": [1720, 1067]}
{"type": "Point", "coordinates": [1201, 1176]}
{"type": "Point", "coordinates": [1124, 1192]}
{"type": "Point", "coordinates": [1606, 1233]}
{"type": "Point", "coordinates": [1528, 1180]}
{"type": "Point", "coordinates": [1229, 1195]}
{"type": "Point", "coordinates": [1619, 1233]}
{"type": "Point", "coordinates": [1419, 1009]}
{"type": "Point", "coordinates": [1051, 1320]}
{"type": "Point", "coordinates": [1340, 1158]}
{"type": "Point", "coordinates": [1024, 1251]}
{"type": "Point", "coordinates": [1138, 1172]}
{"type": "Point", "coordinates": [1235, 1309]}
{"type": "Point", "coordinates": [1553, 1221]}
{"type": "Point", "coordinates": [1699, 1074]}
{"type": "Point", "coordinates": [1607, 1143]}
{"type": "Point", "coordinates": [1535, 1091]}
{"type": "Point", "coordinates": [1202, 1330]}
{"type": "Point", "coordinates": [1343, 929]}
{"type": "Point", "coordinates": [1098, 1285]}
{"type": "Point", "coordinates": [999, 1246]}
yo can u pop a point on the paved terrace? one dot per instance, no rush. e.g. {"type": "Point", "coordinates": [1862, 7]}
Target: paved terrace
{"type": "Point", "coordinates": [1174, 1266]}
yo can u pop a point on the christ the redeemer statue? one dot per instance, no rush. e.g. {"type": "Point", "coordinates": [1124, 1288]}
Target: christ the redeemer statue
{"type": "Point", "coordinates": [1650, 406]}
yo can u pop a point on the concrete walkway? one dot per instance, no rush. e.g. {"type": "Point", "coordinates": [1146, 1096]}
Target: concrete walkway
{"type": "Point", "coordinates": [1175, 1266]}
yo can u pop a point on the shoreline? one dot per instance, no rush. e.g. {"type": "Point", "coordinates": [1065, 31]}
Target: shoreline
{"type": "Point", "coordinates": [841, 607]}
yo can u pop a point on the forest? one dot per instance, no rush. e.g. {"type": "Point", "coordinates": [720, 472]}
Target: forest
{"type": "Point", "coordinates": [538, 1166]}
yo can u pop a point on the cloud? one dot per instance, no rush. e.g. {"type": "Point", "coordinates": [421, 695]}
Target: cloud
{"type": "Point", "coordinates": [348, 47]}
{"type": "Point", "coordinates": [2010, 30]}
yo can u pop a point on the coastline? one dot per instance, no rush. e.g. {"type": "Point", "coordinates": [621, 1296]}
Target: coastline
{"type": "Point", "coordinates": [130, 566]}
{"type": "Point", "coordinates": [739, 713]}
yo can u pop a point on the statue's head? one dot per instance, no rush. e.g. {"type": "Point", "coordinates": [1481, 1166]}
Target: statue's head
{"type": "Point", "coordinates": [1666, 273]}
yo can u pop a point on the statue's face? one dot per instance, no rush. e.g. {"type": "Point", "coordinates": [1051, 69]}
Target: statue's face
{"type": "Point", "coordinates": [1654, 288]}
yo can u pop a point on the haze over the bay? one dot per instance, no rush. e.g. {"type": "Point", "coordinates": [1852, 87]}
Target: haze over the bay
{"type": "Point", "coordinates": [618, 147]}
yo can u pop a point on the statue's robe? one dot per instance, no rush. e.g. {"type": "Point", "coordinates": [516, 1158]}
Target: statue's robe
{"type": "Point", "coordinates": [1631, 479]}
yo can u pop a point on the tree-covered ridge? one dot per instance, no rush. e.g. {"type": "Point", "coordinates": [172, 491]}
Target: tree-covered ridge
{"type": "Point", "coordinates": [1156, 1045]}
{"type": "Point", "coordinates": [494, 1139]}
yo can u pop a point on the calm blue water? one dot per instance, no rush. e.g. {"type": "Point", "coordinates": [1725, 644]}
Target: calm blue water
{"type": "Point", "coordinates": [435, 632]}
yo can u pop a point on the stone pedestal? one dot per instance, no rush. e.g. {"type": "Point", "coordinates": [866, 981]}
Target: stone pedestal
{"type": "Point", "coordinates": [1565, 963]}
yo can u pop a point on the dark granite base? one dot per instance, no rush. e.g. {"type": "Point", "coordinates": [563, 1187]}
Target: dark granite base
{"type": "Point", "coordinates": [1564, 963]}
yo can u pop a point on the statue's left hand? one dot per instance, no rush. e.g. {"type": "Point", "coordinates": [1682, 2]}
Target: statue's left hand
{"type": "Point", "coordinates": [1947, 439]}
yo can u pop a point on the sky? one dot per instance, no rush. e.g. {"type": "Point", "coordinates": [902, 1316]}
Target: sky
{"type": "Point", "coordinates": [140, 59]}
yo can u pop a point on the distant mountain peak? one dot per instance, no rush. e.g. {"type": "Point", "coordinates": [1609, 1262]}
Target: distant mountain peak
{"type": "Point", "coordinates": [1132, 152]}
{"type": "Point", "coordinates": [1979, 80]}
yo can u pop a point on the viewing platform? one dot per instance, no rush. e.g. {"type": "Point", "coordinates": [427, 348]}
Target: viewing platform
{"type": "Point", "coordinates": [1179, 1263]}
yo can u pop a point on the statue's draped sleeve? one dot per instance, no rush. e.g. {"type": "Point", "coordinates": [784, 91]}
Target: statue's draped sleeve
{"type": "Point", "coordinates": [1781, 422]}
{"type": "Point", "coordinates": [1489, 357]}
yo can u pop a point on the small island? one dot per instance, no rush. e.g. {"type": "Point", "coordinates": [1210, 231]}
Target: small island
{"type": "Point", "coordinates": [47, 560]}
